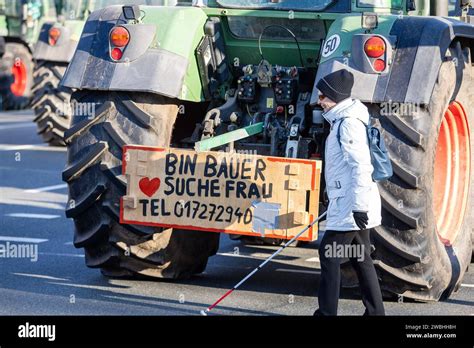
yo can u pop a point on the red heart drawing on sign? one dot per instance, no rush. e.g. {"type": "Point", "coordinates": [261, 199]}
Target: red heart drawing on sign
{"type": "Point", "coordinates": [149, 187]}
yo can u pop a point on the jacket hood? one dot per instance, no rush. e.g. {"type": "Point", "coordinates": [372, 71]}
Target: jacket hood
{"type": "Point", "coordinates": [348, 108]}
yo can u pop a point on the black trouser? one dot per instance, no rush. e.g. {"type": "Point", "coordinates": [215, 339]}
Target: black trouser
{"type": "Point", "coordinates": [331, 257]}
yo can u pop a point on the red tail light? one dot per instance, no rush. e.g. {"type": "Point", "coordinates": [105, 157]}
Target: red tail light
{"type": "Point", "coordinates": [116, 53]}
{"type": "Point", "coordinates": [54, 34]}
{"type": "Point", "coordinates": [119, 37]}
{"type": "Point", "coordinates": [379, 65]}
{"type": "Point", "coordinates": [374, 47]}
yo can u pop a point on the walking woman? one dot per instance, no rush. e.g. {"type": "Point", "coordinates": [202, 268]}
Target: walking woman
{"type": "Point", "coordinates": [354, 200]}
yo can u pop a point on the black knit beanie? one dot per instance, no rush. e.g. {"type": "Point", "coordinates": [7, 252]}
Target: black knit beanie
{"type": "Point", "coordinates": [337, 85]}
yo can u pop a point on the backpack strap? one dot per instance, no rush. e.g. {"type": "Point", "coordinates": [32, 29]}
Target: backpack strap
{"type": "Point", "coordinates": [339, 130]}
{"type": "Point", "coordinates": [338, 134]}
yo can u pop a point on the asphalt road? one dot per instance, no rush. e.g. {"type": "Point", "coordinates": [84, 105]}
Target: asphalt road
{"type": "Point", "coordinates": [32, 200]}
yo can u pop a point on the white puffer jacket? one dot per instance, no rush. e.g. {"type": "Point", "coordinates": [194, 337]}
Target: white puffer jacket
{"type": "Point", "coordinates": [348, 168]}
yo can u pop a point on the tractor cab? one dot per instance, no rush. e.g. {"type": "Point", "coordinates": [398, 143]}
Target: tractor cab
{"type": "Point", "coordinates": [24, 18]}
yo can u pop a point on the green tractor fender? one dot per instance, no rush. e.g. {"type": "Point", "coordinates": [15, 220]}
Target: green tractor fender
{"type": "Point", "coordinates": [65, 46]}
{"type": "Point", "coordinates": [416, 48]}
{"type": "Point", "coordinates": [160, 57]}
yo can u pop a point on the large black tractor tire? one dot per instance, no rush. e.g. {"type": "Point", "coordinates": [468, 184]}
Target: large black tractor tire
{"type": "Point", "coordinates": [411, 259]}
{"type": "Point", "coordinates": [51, 102]}
{"type": "Point", "coordinates": [18, 57]}
{"type": "Point", "coordinates": [95, 180]}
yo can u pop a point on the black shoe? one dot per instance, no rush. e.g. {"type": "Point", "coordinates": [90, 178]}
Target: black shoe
{"type": "Point", "coordinates": [317, 313]}
{"type": "Point", "coordinates": [367, 314]}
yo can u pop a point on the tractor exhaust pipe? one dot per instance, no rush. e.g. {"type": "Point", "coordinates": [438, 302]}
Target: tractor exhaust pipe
{"type": "Point", "coordinates": [439, 8]}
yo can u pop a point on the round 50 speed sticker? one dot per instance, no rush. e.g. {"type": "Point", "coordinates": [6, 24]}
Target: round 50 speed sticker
{"type": "Point", "coordinates": [331, 44]}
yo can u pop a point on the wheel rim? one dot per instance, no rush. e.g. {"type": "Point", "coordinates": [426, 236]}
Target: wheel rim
{"type": "Point", "coordinates": [20, 76]}
{"type": "Point", "coordinates": [452, 173]}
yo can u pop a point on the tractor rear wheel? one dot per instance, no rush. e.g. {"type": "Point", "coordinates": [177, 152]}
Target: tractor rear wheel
{"type": "Point", "coordinates": [16, 82]}
{"type": "Point", "coordinates": [51, 102]}
{"type": "Point", "coordinates": [424, 247]}
{"type": "Point", "coordinates": [95, 180]}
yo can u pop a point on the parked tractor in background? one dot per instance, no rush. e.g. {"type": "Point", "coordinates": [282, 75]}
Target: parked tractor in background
{"type": "Point", "coordinates": [3, 28]}
{"type": "Point", "coordinates": [2, 47]}
{"type": "Point", "coordinates": [53, 51]}
{"type": "Point", "coordinates": [240, 75]}
{"type": "Point", "coordinates": [56, 45]}
{"type": "Point", "coordinates": [20, 23]}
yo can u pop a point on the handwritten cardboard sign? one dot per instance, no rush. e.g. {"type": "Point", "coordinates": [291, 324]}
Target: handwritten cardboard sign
{"type": "Point", "coordinates": [220, 192]}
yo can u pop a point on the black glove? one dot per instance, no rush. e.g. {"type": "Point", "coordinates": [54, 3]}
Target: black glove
{"type": "Point", "coordinates": [361, 219]}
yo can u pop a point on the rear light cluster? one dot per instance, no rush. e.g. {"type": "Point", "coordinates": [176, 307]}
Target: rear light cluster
{"type": "Point", "coordinates": [375, 48]}
{"type": "Point", "coordinates": [119, 39]}
{"type": "Point", "coordinates": [53, 36]}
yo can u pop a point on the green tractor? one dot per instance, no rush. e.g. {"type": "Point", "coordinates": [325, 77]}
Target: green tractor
{"type": "Point", "coordinates": [53, 52]}
{"type": "Point", "coordinates": [240, 75]}
{"type": "Point", "coordinates": [20, 23]}
{"type": "Point", "coordinates": [3, 28]}
{"type": "Point", "coordinates": [56, 44]}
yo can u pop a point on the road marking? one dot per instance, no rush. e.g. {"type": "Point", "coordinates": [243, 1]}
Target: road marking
{"type": "Point", "coordinates": [22, 239]}
{"type": "Point", "coordinates": [62, 254]}
{"type": "Point", "coordinates": [14, 119]}
{"type": "Point", "coordinates": [39, 276]}
{"type": "Point", "coordinates": [296, 271]}
{"type": "Point", "coordinates": [235, 255]}
{"type": "Point", "coordinates": [468, 285]}
{"type": "Point", "coordinates": [38, 147]}
{"type": "Point", "coordinates": [47, 200]}
{"type": "Point", "coordinates": [232, 267]}
{"type": "Point", "coordinates": [255, 256]}
{"type": "Point", "coordinates": [85, 286]}
{"type": "Point", "coordinates": [34, 216]}
{"type": "Point", "coordinates": [17, 113]}
{"type": "Point", "coordinates": [47, 188]}
{"type": "Point", "coordinates": [9, 147]}
{"type": "Point", "coordinates": [313, 259]}
{"type": "Point", "coordinates": [12, 126]}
